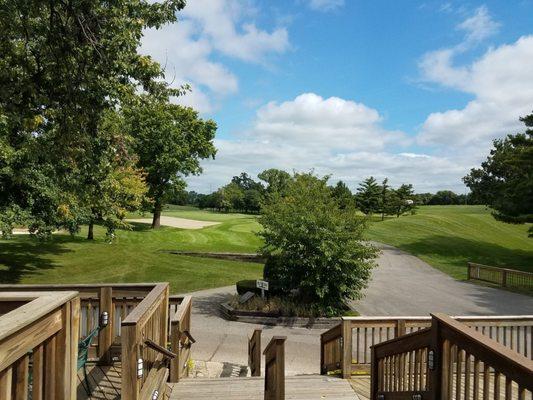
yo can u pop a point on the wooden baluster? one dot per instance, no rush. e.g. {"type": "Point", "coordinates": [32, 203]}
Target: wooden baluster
{"type": "Point", "coordinates": [21, 367]}
{"type": "Point", "coordinates": [496, 385]}
{"type": "Point", "coordinates": [508, 389]}
{"type": "Point", "coordinates": [467, 376]}
{"type": "Point", "coordinates": [6, 382]}
{"type": "Point", "coordinates": [459, 374]}
{"type": "Point", "coordinates": [37, 373]}
{"type": "Point", "coordinates": [475, 395]}
{"type": "Point", "coordinates": [50, 369]}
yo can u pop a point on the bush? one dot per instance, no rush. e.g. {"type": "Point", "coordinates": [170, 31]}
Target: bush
{"type": "Point", "coordinates": [313, 247]}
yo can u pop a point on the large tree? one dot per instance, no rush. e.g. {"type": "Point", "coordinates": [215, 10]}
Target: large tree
{"type": "Point", "coordinates": [63, 64]}
{"type": "Point", "coordinates": [170, 140]}
{"type": "Point", "coordinates": [313, 246]}
{"type": "Point", "coordinates": [505, 180]}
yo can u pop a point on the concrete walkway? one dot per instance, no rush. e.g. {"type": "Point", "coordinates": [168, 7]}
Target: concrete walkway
{"type": "Point", "coordinates": [402, 285]}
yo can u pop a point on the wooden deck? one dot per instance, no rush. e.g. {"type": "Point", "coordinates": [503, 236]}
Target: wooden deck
{"type": "Point", "coordinates": [306, 387]}
{"type": "Point", "coordinates": [103, 380]}
{"type": "Point", "coordinates": [361, 386]}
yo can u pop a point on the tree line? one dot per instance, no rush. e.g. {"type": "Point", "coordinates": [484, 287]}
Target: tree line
{"type": "Point", "coordinates": [244, 194]}
{"type": "Point", "coordinates": [88, 131]}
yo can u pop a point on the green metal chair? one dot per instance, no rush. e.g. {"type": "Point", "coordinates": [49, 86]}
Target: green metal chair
{"type": "Point", "coordinates": [83, 354]}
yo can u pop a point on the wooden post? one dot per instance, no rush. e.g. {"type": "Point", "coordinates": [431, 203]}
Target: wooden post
{"type": "Point", "coordinates": [346, 349]}
{"type": "Point", "coordinates": [74, 339]}
{"type": "Point", "coordinates": [105, 336]}
{"type": "Point", "coordinates": [62, 356]}
{"type": "Point", "coordinates": [175, 347]}
{"type": "Point", "coordinates": [130, 353]}
{"type": "Point", "coordinates": [164, 318]}
{"type": "Point", "coordinates": [435, 374]}
{"type": "Point", "coordinates": [275, 369]}
{"type": "Point", "coordinates": [400, 328]}
{"type": "Point", "coordinates": [374, 374]}
{"type": "Point", "coordinates": [254, 353]}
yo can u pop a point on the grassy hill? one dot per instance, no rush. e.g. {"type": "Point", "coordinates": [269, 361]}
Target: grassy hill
{"type": "Point", "coordinates": [447, 237]}
{"type": "Point", "coordinates": [444, 236]}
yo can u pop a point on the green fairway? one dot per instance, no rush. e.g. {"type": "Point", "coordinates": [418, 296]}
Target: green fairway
{"type": "Point", "coordinates": [447, 237]}
{"type": "Point", "coordinates": [444, 236]}
{"type": "Point", "coordinates": [140, 255]}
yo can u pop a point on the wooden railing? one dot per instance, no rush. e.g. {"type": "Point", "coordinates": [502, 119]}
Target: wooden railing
{"type": "Point", "coordinates": [181, 339]}
{"type": "Point", "coordinates": [117, 300]}
{"type": "Point", "coordinates": [504, 277]}
{"type": "Point", "coordinates": [448, 361]}
{"type": "Point", "coordinates": [275, 369]}
{"type": "Point", "coordinates": [346, 347]}
{"type": "Point", "coordinates": [254, 353]}
{"type": "Point", "coordinates": [143, 369]}
{"type": "Point", "coordinates": [39, 345]}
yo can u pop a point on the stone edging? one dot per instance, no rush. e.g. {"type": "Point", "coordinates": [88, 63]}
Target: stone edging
{"type": "Point", "coordinates": [261, 318]}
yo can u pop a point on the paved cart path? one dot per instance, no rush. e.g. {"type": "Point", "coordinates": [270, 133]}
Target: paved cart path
{"type": "Point", "coordinates": [401, 285]}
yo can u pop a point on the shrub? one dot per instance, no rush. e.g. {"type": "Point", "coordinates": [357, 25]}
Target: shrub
{"type": "Point", "coordinates": [314, 247]}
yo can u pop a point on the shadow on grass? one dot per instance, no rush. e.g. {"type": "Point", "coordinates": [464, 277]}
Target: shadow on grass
{"type": "Point", "coordinates": [458, 251]}
{"type": "Point", "coordinates": [21, 257]}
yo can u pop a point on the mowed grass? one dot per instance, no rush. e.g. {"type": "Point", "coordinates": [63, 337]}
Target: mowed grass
{"type": "Point", "coordinates": [140, 255]}
{"type": "Point", "coordinates": [447, 237]}
{"type": "Point", "coordinates": [444, 236]}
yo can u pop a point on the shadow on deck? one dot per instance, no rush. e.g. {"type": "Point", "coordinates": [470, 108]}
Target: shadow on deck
{"type": "Point", "coordinates": [104, 382]}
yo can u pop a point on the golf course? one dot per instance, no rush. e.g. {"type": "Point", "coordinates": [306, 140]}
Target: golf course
{"type": "Point", "coordinates": [446, 237]}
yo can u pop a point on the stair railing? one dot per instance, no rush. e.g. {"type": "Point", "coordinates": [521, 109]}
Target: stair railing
{"type": "Point", "coordinates": [449, 361]}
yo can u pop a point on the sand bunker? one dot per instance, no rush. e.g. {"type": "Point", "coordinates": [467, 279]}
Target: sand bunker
{"type": "Point", "coordinates": [177, 222]}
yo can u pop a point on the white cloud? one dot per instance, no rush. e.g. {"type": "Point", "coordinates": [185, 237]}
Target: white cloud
{"type": "Point", "coordinates": [325, 5]}
{"type": "Point", "coordinates": [501, 82]}
{"type": "Point", "coordinates": [479, 26]}
{"type": "Point", "coordinates": [331, 136]}
{"type": "Point", "coordinates": [207, 27]}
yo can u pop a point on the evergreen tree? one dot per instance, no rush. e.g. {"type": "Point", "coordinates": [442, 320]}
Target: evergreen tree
{"type": "Point", "coordinates": [368, 196]}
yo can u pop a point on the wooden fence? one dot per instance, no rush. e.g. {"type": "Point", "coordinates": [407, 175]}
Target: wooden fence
{"type": "Point", "coordinates": [504, 277]}
{"type": "Point", "coordinates": [346, 347]}
{"type": "Point", "coordinates": [254, 353]}
{"type": "Point", "coordinates": [449, 360]}
{"type": "Point", "coordinates": [181, 339]}
{"type": "Point", "coordinates": [275, 369]}
{"type": "Point", "coordinates": [39, 345]}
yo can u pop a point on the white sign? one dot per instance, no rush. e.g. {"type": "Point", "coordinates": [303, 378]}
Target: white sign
{"type": "Point", "coordinates": [262, 284]}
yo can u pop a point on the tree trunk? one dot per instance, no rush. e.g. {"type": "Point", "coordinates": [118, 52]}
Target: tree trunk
{"type": "Point", "coordinates": [156, 221]}
{"type": "Point", "coordinates": [90, 233]}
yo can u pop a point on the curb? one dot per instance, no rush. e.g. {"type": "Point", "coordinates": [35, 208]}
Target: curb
{"type": "Point", "coordinates": [273, 319]}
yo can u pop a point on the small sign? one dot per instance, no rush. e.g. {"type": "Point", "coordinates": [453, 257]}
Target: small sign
{"type": "Point", "coordinates": [262, 284]}
{"type": "Point", "coordinates": [245, 297]}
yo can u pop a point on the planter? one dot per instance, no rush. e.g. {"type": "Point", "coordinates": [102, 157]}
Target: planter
{"type": "Point", "coordinates": [266, 318]}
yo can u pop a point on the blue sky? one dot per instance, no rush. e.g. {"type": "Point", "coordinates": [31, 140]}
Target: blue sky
{"type": "Point", "coordinates": [410, 90]}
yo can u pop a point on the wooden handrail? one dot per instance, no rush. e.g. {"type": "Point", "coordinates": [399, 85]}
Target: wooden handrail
{"type": "Point", "coordinates": [147, 321]}
{"type": "Point", "coordinates": [444, 362]}
{"type": "Point", "coordinates": [153, 345]}
{"type": "Point", "coordinates": [501, 358]}
{"type": "Point", "coordinates": [346, 347]}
